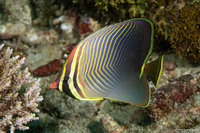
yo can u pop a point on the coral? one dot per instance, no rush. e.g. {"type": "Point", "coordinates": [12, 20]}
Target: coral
{"type": "Point", "coordinates": [158, 12]}
{"type": "Point", "coordinates": [84, 28]}
{"type": "Point", "coordinates": [195, 1]}
{"type": "Point", "coordinates": [87, 26]}
{"type": "Point", "coordinates": [185, 32]}
{"type": "Point", "coordinates": [50, 68]}
{"type": "Point", "coordinates": [178, 23]}
{"type": "Point", "coordinates": [168, 97]}
{"type": "Point", "coordinates": [124, 8]}
{"type": "Point", "coordinates": [19, 93]}
{"type": "Point", "coordinates": [184, 116]}
{"type": "Point", "coordinates": [57, 27]}
{"type": "Point", "coordinates": [114, 10]}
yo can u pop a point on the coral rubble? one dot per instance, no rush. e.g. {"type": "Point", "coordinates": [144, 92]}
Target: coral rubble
{"type": "Point", "coordinates": [19, 93]}
{"type": "Point", "coordinates": [168, 97]}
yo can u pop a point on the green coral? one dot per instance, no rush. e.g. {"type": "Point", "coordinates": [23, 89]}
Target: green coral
{"type": "Point", "coordinates": [178, 23]}
{"type": "Point", "coordinates": [195, 1]}
{"type": "Point", "coordinates": [185, 32]}
{"type": "Point", "coordinates": [131, 7]}
{"type": "Point", "coordinates": [124, 9]}
{"type": "Point", "coordinates": [158, 11]}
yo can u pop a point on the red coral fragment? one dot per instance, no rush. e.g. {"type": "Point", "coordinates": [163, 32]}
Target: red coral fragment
{"type": "Point", "coordinates": [164, 99]}
{"type": "Point", "coordinates": [176, 96]}
{"type": "Point", "coordinates": [84, 28]}
{"type": "Point", "coordinates": [183, 91]}
{"type": "Point", "coordinates": [47, 69]}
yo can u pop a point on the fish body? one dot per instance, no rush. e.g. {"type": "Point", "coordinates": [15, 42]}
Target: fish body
{"type": "Point", "coordinates": [110, 63]}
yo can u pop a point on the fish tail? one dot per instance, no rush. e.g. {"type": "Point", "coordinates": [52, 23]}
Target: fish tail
{"type": "Point", "coordinates": [153, 70]}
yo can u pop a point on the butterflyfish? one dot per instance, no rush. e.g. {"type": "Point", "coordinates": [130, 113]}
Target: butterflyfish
{"type": "Point", "coordinates": [111, 64]}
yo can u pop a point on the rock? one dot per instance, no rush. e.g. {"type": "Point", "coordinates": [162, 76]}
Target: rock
{"type": "Point", "coordinates": [110, 125]}
{"type": "Point", "coordinates": [169, 65]}
{"type": "Point", "coordinates": [10, 30]}
{"type": "Point", "coordinates": [41, 55]}
{"type": "Point", "coordinates": [19, 11]}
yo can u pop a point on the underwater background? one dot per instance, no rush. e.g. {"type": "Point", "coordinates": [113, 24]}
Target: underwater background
{"type": "Point", "coordinates": [42, 33]}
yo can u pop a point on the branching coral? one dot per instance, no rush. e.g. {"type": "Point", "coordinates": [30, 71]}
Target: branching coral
{"type": "Point", "coordinates": [19, 93]}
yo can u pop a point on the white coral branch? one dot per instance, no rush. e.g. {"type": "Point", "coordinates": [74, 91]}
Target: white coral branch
{"type": "Point", "coordinates": [16, 109]}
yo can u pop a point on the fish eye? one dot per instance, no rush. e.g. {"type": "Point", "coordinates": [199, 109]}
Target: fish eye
{"type": "Point", "coordinates": [66, 78]}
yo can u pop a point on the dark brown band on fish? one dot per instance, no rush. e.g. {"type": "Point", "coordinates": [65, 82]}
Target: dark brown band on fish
{"type": "Point", "coordinates": [66, 89]}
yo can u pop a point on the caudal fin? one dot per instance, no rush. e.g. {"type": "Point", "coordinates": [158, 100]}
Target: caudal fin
{"type": "Point", "coordinates": [153, 70]}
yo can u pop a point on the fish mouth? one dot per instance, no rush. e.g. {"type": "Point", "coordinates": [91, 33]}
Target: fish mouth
{"type": "Point", "coordinates": [53, 85]}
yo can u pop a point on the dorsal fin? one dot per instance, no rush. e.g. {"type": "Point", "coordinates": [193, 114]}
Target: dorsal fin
{"type": "Point", "coordinates": [153, 70]}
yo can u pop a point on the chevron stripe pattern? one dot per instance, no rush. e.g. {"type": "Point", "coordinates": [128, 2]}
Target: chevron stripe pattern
{"type": "Point", "coordinates": [108, 64]}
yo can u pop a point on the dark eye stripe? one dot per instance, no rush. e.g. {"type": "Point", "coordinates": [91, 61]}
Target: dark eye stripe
{"type": "Point", "coordinates": [66, 89]}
